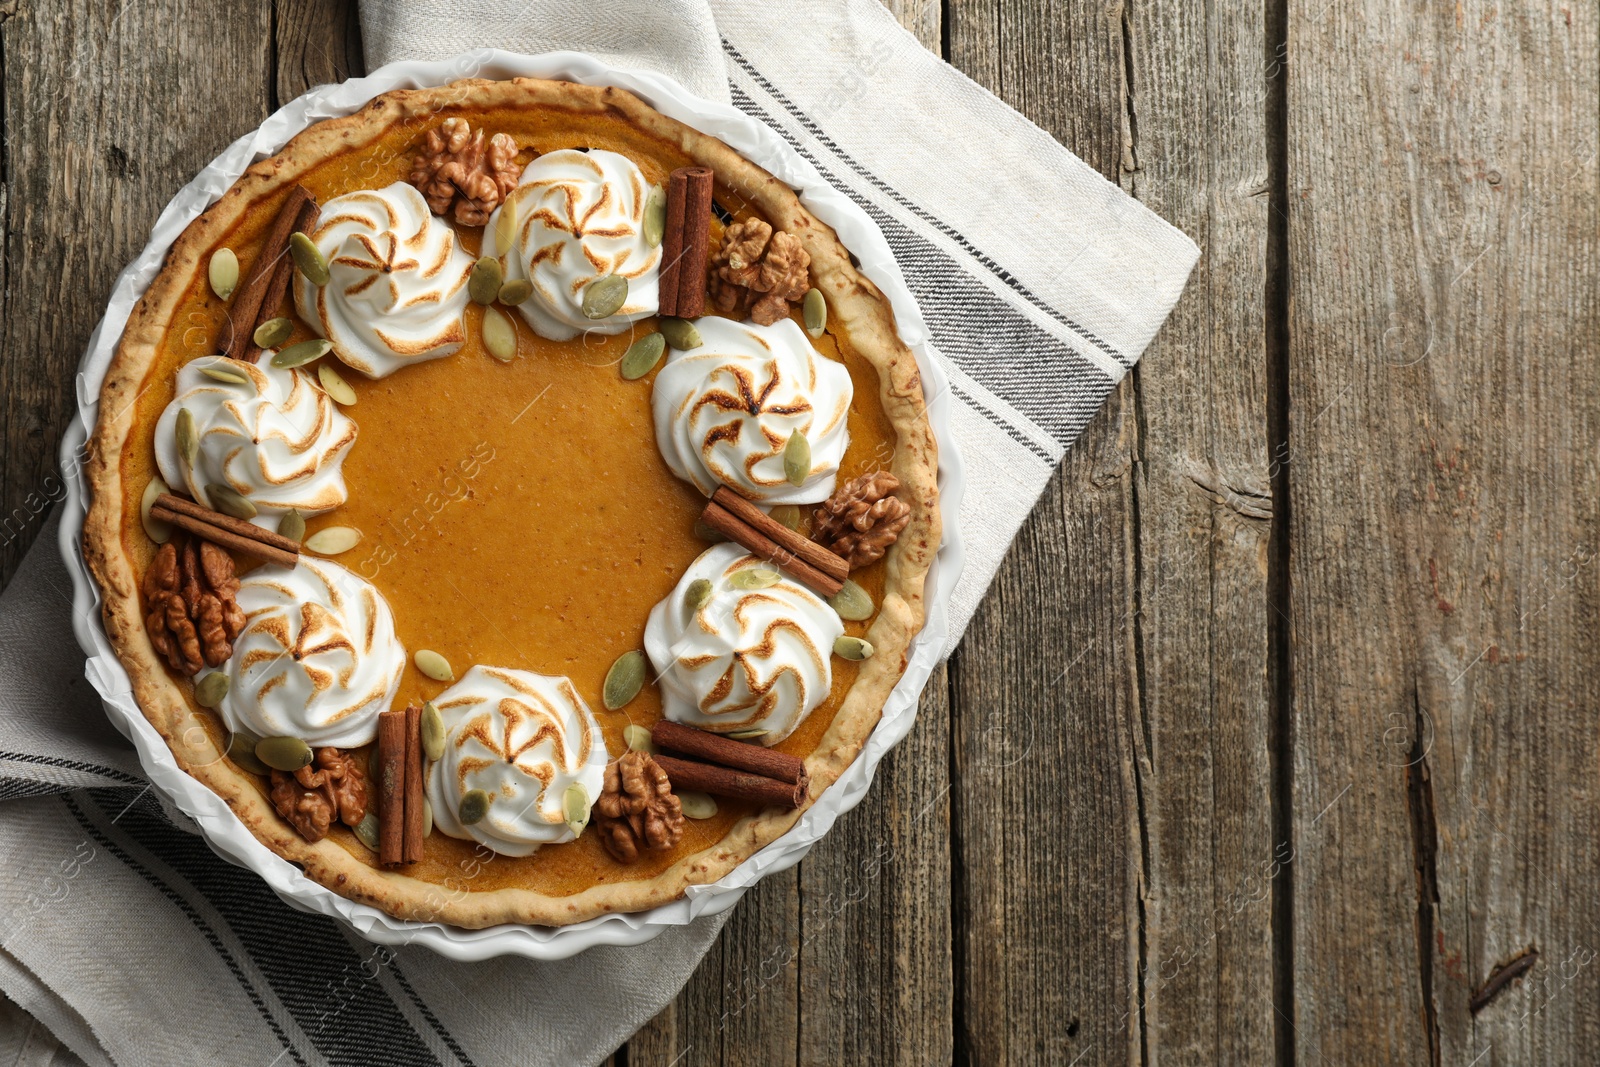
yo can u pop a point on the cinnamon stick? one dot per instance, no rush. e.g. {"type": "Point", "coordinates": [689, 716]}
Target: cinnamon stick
{"type": "Point", "coordinates": [411, 850]}
{"type": "Point", "coordinates": [672, 242]}
{"type": "Point", "coordinates": [250, 294]}
{"type": "Point", "coordinates": [727, 782]}
{"type": "Point", "coordinates": [306, 223]}
{"type": "Point", "coordinates": [696, 237]}
{"type": "Point", "coordinates": [715, 748]}
{"type": "Point", "coordinates": [830, 563]}
{"type": "Point", "coordinates": [226, 538]}
{"type": "Point", "coordinates": [391, 787]}
{"type": "Point", "coordinates": [728, 524]}
{"type": "Point", "coordinates": [185, 506]}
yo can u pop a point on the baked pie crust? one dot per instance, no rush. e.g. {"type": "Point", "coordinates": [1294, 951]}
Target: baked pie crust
{"type": "Point", "coordinates": [118, 552]}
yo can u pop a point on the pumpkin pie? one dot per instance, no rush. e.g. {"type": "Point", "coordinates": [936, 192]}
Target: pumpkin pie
{"type": "Point", "coordinates": [514, 503]}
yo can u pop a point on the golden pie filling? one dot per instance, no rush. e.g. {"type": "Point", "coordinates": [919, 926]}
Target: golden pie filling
{"type": "Point", "coordinates": [513, 513]}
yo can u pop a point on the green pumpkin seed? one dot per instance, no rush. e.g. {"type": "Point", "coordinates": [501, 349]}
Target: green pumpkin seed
{"type": "Point", "coordinates": [335, 386]}
{"type": "Point", "coordinates": [697, 805]}
{"type": "Point", "coordinates": [301, 353]}
{"type": "Point", "coordinates": [762, 576]}
{"type": "Point", "coordinates": [654, 226]}
{"type": "Point", "coordinates": [515, 291]}
{"type": "Point", "coordinates": [747, 735]}
{"type": "Point", "coordinates": [433, 665]}
{"type": "Point", "coordinates": [505, 227]}
{"type": "Point", "coordinates": [788, 514]}
{"type": "Point", "coordinates": [853, 648]}
{"type": "Point", "coordinates": [272, 333]}
{"type": "Point", "coordinates": [308, 259]}
{"type": "Point", "coordinates": [797, 459]}
{"type": "Point", "coordinates": [484, 283]}
{"type": "Point", "coordinates": [188, 437]}
{"type": "Point", "coordinates": [638, 738]}
{"type": "Point", "coordinates": [499, 335]}
{"type": "Point", "coordinates": [427, 817]}
{"type": "Point", "coordinates": [815, 310]}
{"type": "Point", "coordinates": [224, 272]}
{"type": "Point", "coordinates": [242, 751]}
{"type": "Point", "coordinates": [575, 807]}
{"type": "Point", "coordinates": [367, 833]}
{"type": "Point", "coordinates": [209, 691]}
{"type": "Point", "coordinates": [852, 602]}
{"type": "Point", "coordinates": [292, 525]}
{"type": "Point", "coordinates": [680, 334]}
{"type": "Point", "coordinates": [283, 753]}
{"type": "Point", "coordinates": [217, 374]}
{"type": "Point", "coordinates": [697, 595]}
{"type": "Point", "coordinates": [604, 297]}
{"type": "Point", "coordinates": [230, 501]}
{"type": "Point", "coordinates": [333, 540]}
{"type": "Point", "coordinates": [474, 806]}
{"type": "Point", "coordinates": [431, 730]}
{"type": "Point", "coordinates": [707, 533]}
{"type": "Point", "coordinates": [623, 680]}
{"type": "Point", "coordinates": [642, 356]}
{"type": "Point", "coordinates": [155, 529]}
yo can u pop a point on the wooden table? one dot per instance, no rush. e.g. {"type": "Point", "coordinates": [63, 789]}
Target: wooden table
{"type": "Point", "coordinates": [1275, 739]}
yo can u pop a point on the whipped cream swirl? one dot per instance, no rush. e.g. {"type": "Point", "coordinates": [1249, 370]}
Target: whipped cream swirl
{"type": "Point", "coordinates": [523, 738]}
{"type": "Point", "coordinates": [725, 411]}
{"type": "Point", "coordinates": [579, 216]}
{"type": "Point", "coordinates": [275, 437]}
{"type": "Point", "coordinates": [397, 281]}
{"type": "Point", "coordinates": [747, 660]}
{"type": "Point", "coordinates": [318, 658]}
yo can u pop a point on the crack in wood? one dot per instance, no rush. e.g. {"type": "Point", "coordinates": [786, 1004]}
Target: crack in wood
{"type": "Point", "coordinates": [1425, 854]}
{"type": "Point", "coordinates": [1250, 503]}
{"type": "Point", "coordinates": [1502, 977]}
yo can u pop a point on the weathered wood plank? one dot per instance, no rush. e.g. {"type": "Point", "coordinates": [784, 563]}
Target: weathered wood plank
{"type": "Point", "coordinates": [1444, 414]}
{"type": "Point", "coordinates": [318, 43]}
{"type": "Point", "coordinates": [1046, 816]}
{"type": "Point", "coordinates": [1044, 811]}
{"type": "Point", "coordinates": [875, 964]}
{"type": "Point", "coordinates": [1148, 558]}
{"type": "Point", "coordinates": [1204, 504]}
{"type": "Point", "coordinates": [101, 128]}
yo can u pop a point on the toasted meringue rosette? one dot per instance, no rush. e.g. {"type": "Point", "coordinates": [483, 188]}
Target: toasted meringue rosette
{"type": "Point", "coordinates": [578, 217]}
{"type": "Point", "coordinates": [524, 739]}
{"type": "Point", "coordinates": [752, 661]}
{"type": "Point", "coordinates": [268, 433]}
{"type": "Point", "coordinates": [318, 658]}
{"type": "Point", "coordinates": [724, 411]}
{"type": "Point", "coordinates": [397, 281]}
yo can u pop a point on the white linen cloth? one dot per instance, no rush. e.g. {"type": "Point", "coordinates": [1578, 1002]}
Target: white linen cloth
{"type": "Point", "coordinates": [1040, 283]}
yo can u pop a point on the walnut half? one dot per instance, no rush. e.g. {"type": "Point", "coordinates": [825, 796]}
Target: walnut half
{"type": "Point", "coordinates": [456, 166]}
{"type": "Point", "coordinates": [862, 519]}
{"type": "Point", "coordinates": [757, 265]}
{"type": "Point", "coordinates": [637, 809]}
{"type": "Point", "coordinates": [333, 786]}
{"type": "Point", "coordinates": [191, 610]}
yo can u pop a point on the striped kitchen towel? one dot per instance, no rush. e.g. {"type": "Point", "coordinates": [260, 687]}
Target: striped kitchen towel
{"type": "Point", "coordinates": [1039, 283]}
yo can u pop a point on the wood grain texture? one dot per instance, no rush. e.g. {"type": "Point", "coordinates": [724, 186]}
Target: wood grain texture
{"type": "Point", "coordinates": [1202, 489]}
{"type": "Point", "coordinates": [1152, 790]}
{"type": "Point", "coordinates": [1046, 815]}
{"type": "Point", "coordinates": [101, 129]}
{"type": "Point", "coordinates": [1444, 408]}
{"type": "Point", "coordinates": [316, 42]}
